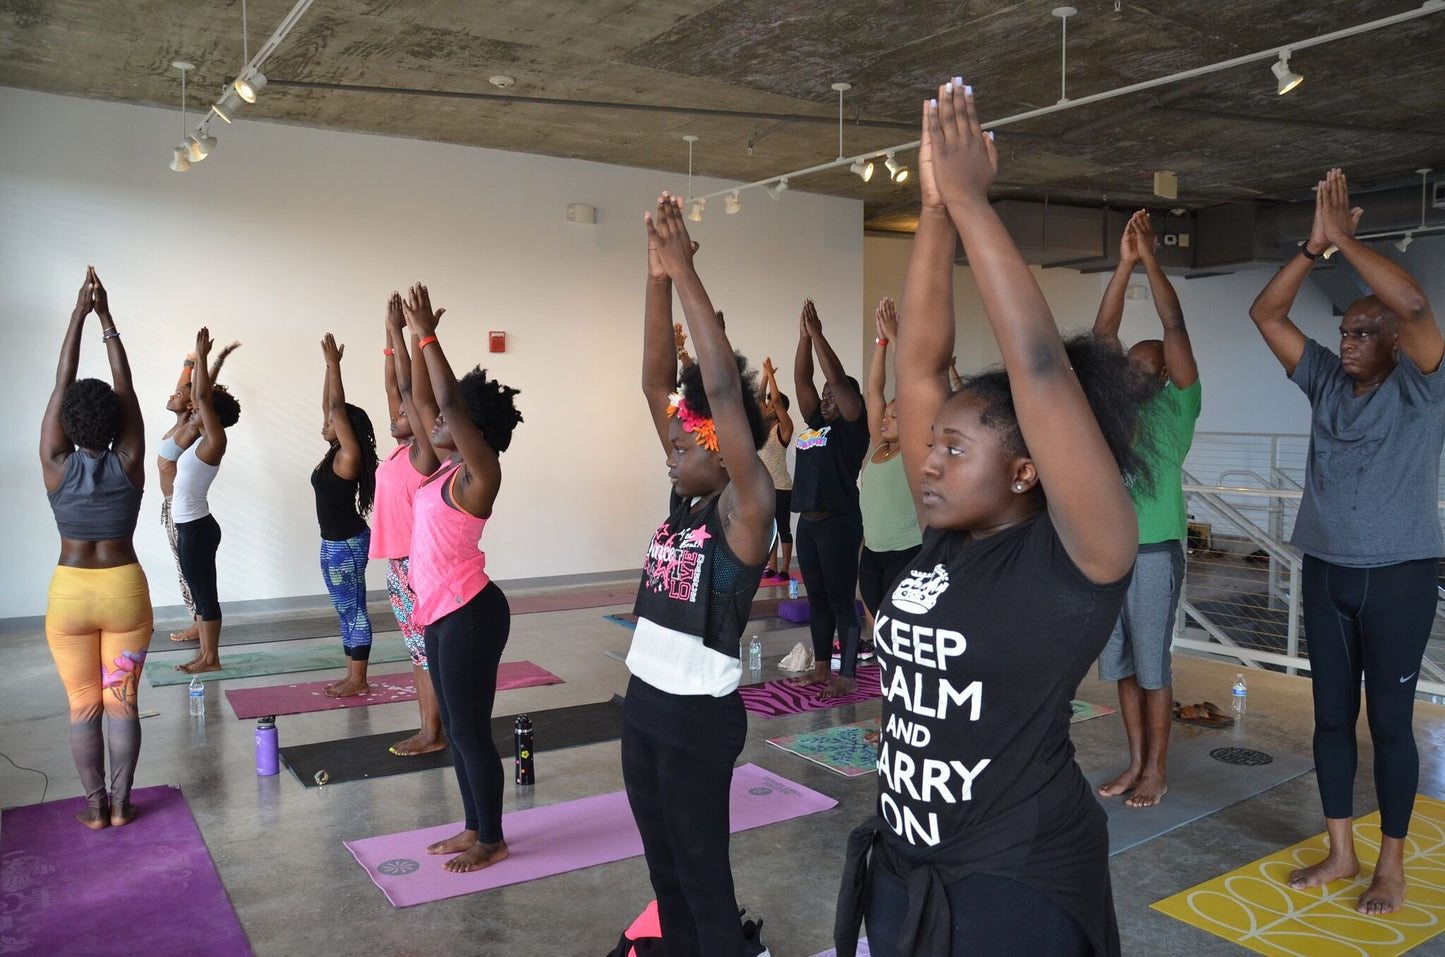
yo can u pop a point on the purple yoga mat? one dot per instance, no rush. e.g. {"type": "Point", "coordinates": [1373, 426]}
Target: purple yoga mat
{"type": "Point", "coordinates": [311, 695]}
{"type": "Point", "coordinates": [773, 699]}
{"type": "Point", "coordinates": [560, 838]}
{"type": "Point", "coordinates": [148, 887]}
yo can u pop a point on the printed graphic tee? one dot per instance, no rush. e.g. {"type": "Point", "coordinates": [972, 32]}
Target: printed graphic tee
{"type": "Point", "coordinates": [829, 456]}
{"type": "Point", "coordinates": [981, 645]}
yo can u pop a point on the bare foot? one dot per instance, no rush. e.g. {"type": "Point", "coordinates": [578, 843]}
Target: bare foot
{"type": "Point", "coordinates": [838, 687]}
{"type": "Point", "coordinates": [872, 737]}
{"type": "Point", "coordinates": [419, 743]}
{"type": "Point", "coordinates": [192, 633]}
{"type": "Point", "coordinates": [1149, 790]}
{"type": "Point", "coordinates": [122, 814]}
{"type": "Point", "coordinates": [1332, 868]}
{"type": "Point", "coordinates": [477, 857]}
{"type": "Point", "coordinates": [200, 665]}
{"type": "Point", "coordinates": [1123, 784]}
{"type": "Point", "coordinates": [347, 687]}
{"type": "Point", "coordinates": [461, 841]}
{"type": "Point", "coordinates": [819, 675]}
{"type": "Point", "coordinates": [1386, 894]}
{"type": "Point", "coordinates": [95, 818]}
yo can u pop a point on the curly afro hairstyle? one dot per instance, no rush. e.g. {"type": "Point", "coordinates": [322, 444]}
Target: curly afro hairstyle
{"type": "Point", "coordinates": [690, 386]}
{"type": "Point", "coordinates": [90, 414]}
{"type": "Point", "coordinates": [1116, 392]}
{"type": "Point", "coordinates": [228, 410]}
{"type": "Point", "coordinates": [490, 407]}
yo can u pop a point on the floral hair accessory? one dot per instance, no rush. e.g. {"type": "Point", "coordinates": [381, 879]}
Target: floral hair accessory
{"type": "Point", "coordinates": [700, 425]}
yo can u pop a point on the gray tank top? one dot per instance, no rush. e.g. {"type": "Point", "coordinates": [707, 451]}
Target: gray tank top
{"type": "Point", "coordinates": [96, 501]}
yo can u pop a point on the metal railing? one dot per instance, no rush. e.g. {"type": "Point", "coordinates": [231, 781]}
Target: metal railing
{"type": "Point", "coordinates": [1242, 595]}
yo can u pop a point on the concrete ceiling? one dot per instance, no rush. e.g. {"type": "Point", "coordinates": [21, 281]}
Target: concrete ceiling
{"type": "Point", "coordinates": [1371, 104]}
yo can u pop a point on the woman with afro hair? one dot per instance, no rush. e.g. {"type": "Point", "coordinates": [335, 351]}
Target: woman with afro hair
{"type": "Point", "coordinates": [987, 837]}
{"type": "Point", "coordinates": [465, 615]}
{"type": "Point", "coordinates": [683, 720]}
{"type": "Point", "coordinates": [98, 618]}
{"type": "Point", "coordinates": [198, 535]}
{"type": "Point", "coordinates": [345, 485]}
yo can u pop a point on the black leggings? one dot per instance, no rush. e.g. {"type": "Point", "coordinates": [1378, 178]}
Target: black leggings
{"type": "Point", "coordinates": [1375, 621]}
{"type": "Point", "coordinates": [827, 552]}
{"type": "Point", "coordinates": [462, 652]}
{"type": "Point", "coordinates": [991, 915]}
{"type": "Point", "coordinates": [677, 763]}
{"type": "Point", "coordinates": [877, 571]}
{"type": "Point", "coordinates": [783, 514]}
{"type": "Point", "coordinates": [196, 545]}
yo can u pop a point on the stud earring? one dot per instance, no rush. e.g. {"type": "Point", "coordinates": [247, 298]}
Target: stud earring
{"type": "Point", "coordinates": [1018, 486]}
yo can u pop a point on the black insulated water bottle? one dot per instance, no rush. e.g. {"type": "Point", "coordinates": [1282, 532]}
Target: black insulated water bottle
{"type": "Point", "coordinates": [522, 732]}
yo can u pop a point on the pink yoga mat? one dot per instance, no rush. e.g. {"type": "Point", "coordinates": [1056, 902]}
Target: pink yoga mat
{"type": "Point", "coordinates": [560, 838]}
{"type": "Point", "coordinates": [773, 699]}
{"type": "Point", "coordinates": [311, 695]}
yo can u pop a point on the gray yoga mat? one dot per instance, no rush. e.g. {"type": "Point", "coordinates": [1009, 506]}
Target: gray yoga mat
{"type": "Point", "coordinates": [160, 668]}
{"type": "Point", "coordinates": [1208, 772]}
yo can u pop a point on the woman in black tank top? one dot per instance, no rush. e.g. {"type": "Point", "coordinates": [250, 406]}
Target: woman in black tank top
{"type": "Point", "coordinates": [986, 830]}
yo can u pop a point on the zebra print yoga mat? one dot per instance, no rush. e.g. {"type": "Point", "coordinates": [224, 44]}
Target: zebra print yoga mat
{"type": "Point", "coordinates": [774, 699]}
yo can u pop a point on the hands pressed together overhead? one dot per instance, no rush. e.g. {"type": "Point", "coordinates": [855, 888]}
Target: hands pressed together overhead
{"type": "Point", "coordinates": [669, 248]}
{"type": "Point", "coordinates": [331, 350]}
{"type": "Point", "coordinates": [957, 161]}
{"type": "Point", "coordinates": [420, 317]}
{"type": "Point", "coordinates": [885, 318]}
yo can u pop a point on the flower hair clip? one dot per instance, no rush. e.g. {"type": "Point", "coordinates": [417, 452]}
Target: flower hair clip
{"type": "Point", "coordinates": [699, 425]}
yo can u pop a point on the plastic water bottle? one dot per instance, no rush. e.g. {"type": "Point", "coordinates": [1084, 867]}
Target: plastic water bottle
{"type": "Point", "coordinates": [792, 588]}
{"type": "Point", "coordinates": [526, 768]}
{"type": "Point", "coordinates": [198, 698]}
{"type": "Point", "coordinates": [755, 654]}
{"type": "Point", "coordinates": [1239, 692]}
{"type": "Point", "coordinates": [268, 747]}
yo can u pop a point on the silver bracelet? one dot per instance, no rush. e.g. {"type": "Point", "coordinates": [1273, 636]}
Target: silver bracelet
{"type": "Point", "coordinates": [113, 333]}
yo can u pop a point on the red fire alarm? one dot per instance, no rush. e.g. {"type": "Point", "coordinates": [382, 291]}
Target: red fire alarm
{"type": "Point", "coordinates": [497, 340]}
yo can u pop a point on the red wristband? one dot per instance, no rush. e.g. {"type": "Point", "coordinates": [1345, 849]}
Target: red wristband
{"type": "Point", "coordinates": [426, 342]}
{"type": "Point", "coordinates": [881, 342]}
{"type": "Point", "coordinates": [386, 352]}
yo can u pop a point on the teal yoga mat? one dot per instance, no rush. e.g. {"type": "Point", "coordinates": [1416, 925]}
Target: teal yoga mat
{"type": "Point", "coordinates": [160, 669]}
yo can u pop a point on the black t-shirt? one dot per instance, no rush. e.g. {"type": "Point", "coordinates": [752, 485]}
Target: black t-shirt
{"type": "Point", "coordinates": [830, 455]}
{"type": "Point", "coordinates": [982, 643]}
{"type": "Point", "coordinates": [336, 502]}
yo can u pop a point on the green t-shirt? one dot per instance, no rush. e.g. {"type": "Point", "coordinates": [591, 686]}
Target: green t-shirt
{"type": "Point", "coordinates": [1168, 419]}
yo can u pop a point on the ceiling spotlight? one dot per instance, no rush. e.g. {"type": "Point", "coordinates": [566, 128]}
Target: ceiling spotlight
{"type": "Point", "coordinates": [896, 170]}
{"type": "Point", "coordinates": [218, 109]}
{"type": "Point", "coordinates": [249, 83]}
{"type": "Point", "coordinates": [1403, 243]}
{"type": "Point", "coordinates": [732, 203]}
{"type": "Point", "coordinates": [196, 150]}
{"type": "Point", "coordinates": [695, 214]}
{"type": "Point", "coordinates": [864, 171]}
{"type": "Point", "coordinates": [778, 189]}
{"type": "Point", "coordinates": [179, 161]}
{"type": "Point", "coordinates": [207, 141]}
{"type": "Point", "coordinates": [1287, 78]}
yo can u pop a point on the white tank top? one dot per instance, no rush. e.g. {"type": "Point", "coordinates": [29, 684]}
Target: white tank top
{"type": "Point", "coordinates": [193, 481]}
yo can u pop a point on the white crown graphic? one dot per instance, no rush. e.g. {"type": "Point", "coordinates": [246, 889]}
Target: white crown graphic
{"type": "Point", "coordinates": [920, 590]}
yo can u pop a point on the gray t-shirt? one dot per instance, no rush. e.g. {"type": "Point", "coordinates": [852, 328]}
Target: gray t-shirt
{"type": "Point", "coordinates": [1373, 476]}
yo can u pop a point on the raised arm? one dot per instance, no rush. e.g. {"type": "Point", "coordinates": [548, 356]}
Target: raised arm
{"type": "Point", "coordinates": [130, 439]}
{"type": "Point", "coordinates": [211, 446]}
{"type": "Point", "coordinates": [748, 502]}
{"type": "Point", "coordinates": [1270, 311]}
{"type": "Point", "coordinates": [924, 351]}
{"type": "Point", "coordinates": [775, 402]}
{"type": "Point", "coordinates": [1087, 500]}
{"type": "Point", "coordinates": [183, 382]}
{"type": "Point", "coordinates": [476, 489]}
{"type": "Point", "coordinates": [885, 319]}
{"type": "Point", "coordinates": [347, 463]}
{"type": "Point", "coordinates": [850, 403]}
{"type": "Point", "coordinates": [955, 381]}
{"type": "Point", "coordinates": [423, 409]}
{"type": "Point", "coordinates": [221, 360]}
{"type": "Point", "coordinates": [684, 360]}
{"type": "Point", "coordinates": [1419, 335]}
{"type": "Point", "coordinates": [661, 346]}
{"type": "Point", "coordinates": [55, 445]}
{"type": "Point", "coordinates": [803, 386]}
{"type": "Point", "coordinates": [1111, 306]}
{"type": "Point", "coordinates": [424, 457]}
{"type": "Point", "coordinates": [1178, 351]}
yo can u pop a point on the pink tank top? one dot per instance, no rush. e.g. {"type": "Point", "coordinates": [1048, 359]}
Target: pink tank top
{"type": "Point", "coordinates": [396, 483]}
{"type": "Point", "coordinates": [448, 568]}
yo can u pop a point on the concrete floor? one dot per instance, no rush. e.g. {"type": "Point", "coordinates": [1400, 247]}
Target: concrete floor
{"type": "Point", "coordinates": [278, 847]}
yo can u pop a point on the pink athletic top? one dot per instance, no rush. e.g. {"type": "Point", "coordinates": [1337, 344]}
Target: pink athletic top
{"type": "Point", "coordinates": [448, 568]}
{"type": "Point", "coordinates": [396, 483]}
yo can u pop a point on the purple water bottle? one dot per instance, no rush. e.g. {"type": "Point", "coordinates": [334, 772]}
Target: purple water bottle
{"type": "Point", "coordinates": [526, 770]}
{"type": "Point", "coordinates": [268, 747]}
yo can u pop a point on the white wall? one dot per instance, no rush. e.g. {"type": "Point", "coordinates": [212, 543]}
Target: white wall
{"type": "Point", "coordinates": [285, 233]}
{"type": "Point", "coordinates": [1245, 390]}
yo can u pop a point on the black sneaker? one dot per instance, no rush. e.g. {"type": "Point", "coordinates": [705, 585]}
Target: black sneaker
{"type": "Point", "coordinates": [753, 945]}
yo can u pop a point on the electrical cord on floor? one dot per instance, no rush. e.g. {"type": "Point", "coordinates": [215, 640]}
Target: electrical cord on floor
{"type": "Point", "coordinates": [44, 789]}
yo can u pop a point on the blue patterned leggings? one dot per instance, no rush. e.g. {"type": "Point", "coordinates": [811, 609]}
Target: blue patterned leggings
{"type": "Point", "coordinates": [343, 565]}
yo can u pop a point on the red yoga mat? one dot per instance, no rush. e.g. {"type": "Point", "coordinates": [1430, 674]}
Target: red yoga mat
{"type": "Point", "coordinates": [311, 695]}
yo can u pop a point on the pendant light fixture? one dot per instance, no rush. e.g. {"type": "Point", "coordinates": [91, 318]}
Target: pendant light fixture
{"type": "Point", "coordinates": [180, 158]}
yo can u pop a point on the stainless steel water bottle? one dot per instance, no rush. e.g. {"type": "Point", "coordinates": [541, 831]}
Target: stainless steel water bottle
{"type": "Point", "coordinates": [522, 732]}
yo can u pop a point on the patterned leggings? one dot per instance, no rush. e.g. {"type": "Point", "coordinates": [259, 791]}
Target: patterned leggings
{"type": "Point", "coordinates": [170, 526]}
{"type": "Point", "coordinates": [343, 565]}
{"type": "Point", "coordinates": [403, 601]}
